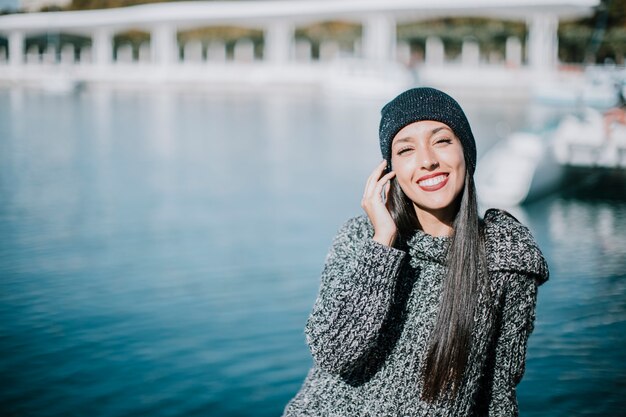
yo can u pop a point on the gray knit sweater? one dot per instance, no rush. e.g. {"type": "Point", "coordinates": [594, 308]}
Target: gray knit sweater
{"type": "Point", "coordinates": [370, 325]}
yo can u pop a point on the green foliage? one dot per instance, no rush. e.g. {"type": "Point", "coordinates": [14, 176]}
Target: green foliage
{"type": "Point", "coordinates": [330, 30]}
{"type": "Point", "coordinates": [228, 34]}
{"type": "Point", "coordinates": [598, 38]}
{"type": "Point", "coordinates": [108, 4]}
{"type": "Point", "coordinates": [490, 34]}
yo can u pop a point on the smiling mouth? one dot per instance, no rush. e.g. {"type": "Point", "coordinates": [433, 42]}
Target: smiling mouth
{"type": "Point", "coordinates": [433, 183]}
{"type": "Point", "coordinates": [429, 182]}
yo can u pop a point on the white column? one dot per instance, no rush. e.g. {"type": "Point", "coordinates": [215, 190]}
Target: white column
{"type": "Point", "coordinates": [16, 48]}
{"type": "Point", "coordinates": [379, 38]}
{"type": "Point", "coordinates": [144, 52]}
{"type": "Point", "coordinates": [279, 38]}
{"type": "Point", "coordinates": [435, 54]}
{"type": "Point", "coordinates": [303, 50]}
{"type": "Point", "coordinates": [403, 53]}
{"type": "Point", "coordinates": [216, 51]}
{"type": "Point", "coordinates": [244, 50]}
{"type": "Point", "coordinates": [542, 45]}
{"type": "Point", "coordinates": [85, 55]}
{"type": "Point", "coordinates": [32, 55]}
{"type": "Point", "coordinates": [124, 53]}
{"type": "Point", "coordinates": [68, 55]}
{"type": "Point", "coordinates": [164, 44]}
{"type": "Point", "coordinates": [329, 50]}
{"type": "Point", "coordinates": [102, 49]}
{"type": "Point", "coordinates": [193, 51]}
{"type": "Point", "coordinates": [50, 54]}
{"type": "Point", "coordinates": [470, 53]}
{"type": "Point", "coordinates": [513, 52]}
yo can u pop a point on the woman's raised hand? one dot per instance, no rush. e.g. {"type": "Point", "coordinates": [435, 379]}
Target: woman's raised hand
{"type": "Point", "coordinates": [385, 229]}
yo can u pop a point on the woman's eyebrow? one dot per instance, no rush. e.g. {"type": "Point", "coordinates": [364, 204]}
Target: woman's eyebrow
{"type": "Point", "coordinates": [405, 139]}
{"type": "Point", "coordinates": [432, 132]}
{"type": "Point", "coordinates": [437, 129]}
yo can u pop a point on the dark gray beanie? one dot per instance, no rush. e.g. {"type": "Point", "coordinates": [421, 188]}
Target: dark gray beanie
{"type": "Point", "coordinates": [425, 103]}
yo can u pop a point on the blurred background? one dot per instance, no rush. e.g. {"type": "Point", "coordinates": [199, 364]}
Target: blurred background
{"type": "Point", "coordinates": [172, 176]}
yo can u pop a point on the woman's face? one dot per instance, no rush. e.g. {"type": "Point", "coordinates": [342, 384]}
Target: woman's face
{"type": "Point", "coordinates": [428, 160]}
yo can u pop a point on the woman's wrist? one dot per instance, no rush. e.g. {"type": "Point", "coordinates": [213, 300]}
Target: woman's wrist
{"type": "Point", "coordinates": [383, 239]}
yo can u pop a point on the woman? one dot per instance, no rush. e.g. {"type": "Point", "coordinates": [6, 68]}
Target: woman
{"type": "Point", "coordinates": [424, 309]}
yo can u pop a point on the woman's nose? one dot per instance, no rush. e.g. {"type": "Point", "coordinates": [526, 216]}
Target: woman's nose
{"type": "Point", "coordinates": [428, 159]}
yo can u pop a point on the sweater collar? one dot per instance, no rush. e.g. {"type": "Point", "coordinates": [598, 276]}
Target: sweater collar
{"type": "Point", "coordinates": [427, 247]}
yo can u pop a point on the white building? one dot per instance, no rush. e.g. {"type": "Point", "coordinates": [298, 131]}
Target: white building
{"type": "Point", "coordinates": [283, 59]}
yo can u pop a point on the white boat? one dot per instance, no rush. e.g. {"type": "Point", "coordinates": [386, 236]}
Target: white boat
{"type": "Point", "coordinates": [520, 168]}
{"type": "Point", "coordinates": [59, 85]}
{"type": "Point", "coordinates": [526, 166]}
{"type": "Point", "coordinates": [585, 142]}
{"type": "Point", "coordinates": [597, 87]}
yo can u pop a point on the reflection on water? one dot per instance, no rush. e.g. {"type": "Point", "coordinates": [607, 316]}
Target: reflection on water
{"type": "Point", "coordinates": [600, 225]}
{"type": "Point", "coordinates": [576, 356]}
{"type": "Point", "coordinates": [160, 253]}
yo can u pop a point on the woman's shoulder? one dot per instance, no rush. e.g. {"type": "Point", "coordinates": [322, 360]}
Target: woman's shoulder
{"type": "Point", "coordinates": [353, 233]}
{"type": "Point", "coordinates": [355, 229]}
{"type": "Point", "coordinates": [511, 247]}
{"type": "Point", "coordinates": [355, 237]}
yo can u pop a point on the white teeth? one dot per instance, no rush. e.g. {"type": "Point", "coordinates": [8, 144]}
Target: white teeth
{"type": "Point", "coordinates": [433, 181]}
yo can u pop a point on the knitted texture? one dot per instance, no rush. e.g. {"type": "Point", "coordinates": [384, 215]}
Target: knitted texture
{"type": "Point", "coordinates": [370, 326]}
{"type": "Point", "coordinates": [425, 103]}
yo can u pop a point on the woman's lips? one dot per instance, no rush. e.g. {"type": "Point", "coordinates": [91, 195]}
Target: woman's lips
{"type": "Point", "coordinates": [433, 182]}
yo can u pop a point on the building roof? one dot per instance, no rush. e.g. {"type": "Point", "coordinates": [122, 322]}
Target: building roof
{"type": "Point", "coordinates": [259, 13]}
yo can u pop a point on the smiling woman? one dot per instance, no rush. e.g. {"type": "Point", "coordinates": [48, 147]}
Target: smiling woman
{"type": "Point", "coordinates": [424, 308]}
{"type": "Point", "coordinates": [427, 158]}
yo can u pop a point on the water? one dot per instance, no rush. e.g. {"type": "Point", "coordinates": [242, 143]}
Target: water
{"type": "Point", "coordinates": [160, 253]}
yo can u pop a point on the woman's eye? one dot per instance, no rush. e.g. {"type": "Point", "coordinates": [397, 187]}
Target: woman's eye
{"type": "Point", "coordinates": [403, 150]}
{"type": "Point", "coordinates": [443, 140]}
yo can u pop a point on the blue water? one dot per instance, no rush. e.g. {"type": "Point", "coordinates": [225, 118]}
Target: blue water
{"type": "Point", "coordinates": [160, 252]}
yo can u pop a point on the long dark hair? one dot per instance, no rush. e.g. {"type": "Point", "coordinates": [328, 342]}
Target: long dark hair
{"type": "Point", "coordinates": [451, 338]}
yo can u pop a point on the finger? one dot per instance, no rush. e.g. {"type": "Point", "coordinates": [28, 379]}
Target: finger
{"type": "Point", "coordinates": [370, 185]}
{"type": "Point", "coordinates": [378, 171]}
{"type": "Point", "coordinates": [388, 176]}
{"type": "Point", "coordinates": [383, 182]}
{"type": "Point", "coordinates": [386, 192]}
{"type": "Point", "coordinates": [385, 179]}
{"type": "Point", "coordinates": [375, 176]}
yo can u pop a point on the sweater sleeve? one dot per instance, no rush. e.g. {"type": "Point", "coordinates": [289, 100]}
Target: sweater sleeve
{"type": "Point", "coordinates": [518, 318]}
{"type": "Point", "coordinates": [356, 290]}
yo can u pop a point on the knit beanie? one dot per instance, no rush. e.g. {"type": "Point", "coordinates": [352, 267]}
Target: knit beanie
{"type": "Point", "coordinates": [426, 103]}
